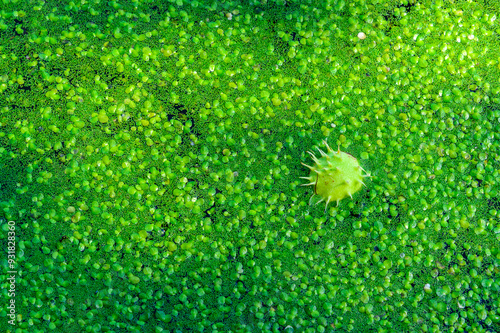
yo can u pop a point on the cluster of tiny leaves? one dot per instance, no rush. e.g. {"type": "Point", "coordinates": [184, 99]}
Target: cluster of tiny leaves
{"type": "Point", "coordinates": [150, 155]}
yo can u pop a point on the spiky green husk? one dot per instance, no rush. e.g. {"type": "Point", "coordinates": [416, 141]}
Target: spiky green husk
{"type": "Point", "coordinates": [334, 176]}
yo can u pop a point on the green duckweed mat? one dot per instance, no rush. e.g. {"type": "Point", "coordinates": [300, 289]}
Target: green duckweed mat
{"type": "Point", "coordinates": [150, 155]}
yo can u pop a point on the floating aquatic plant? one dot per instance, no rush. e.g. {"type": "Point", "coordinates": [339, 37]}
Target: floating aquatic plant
{"type": "Point", "coordinates": [147, 160]}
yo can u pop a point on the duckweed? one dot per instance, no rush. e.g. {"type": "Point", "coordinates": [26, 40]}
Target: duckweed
{"type": "Point", "coordinates": [148, 159]}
